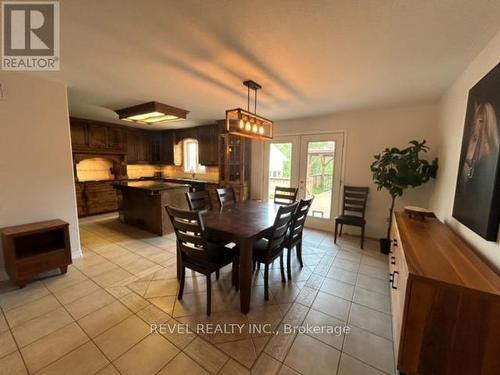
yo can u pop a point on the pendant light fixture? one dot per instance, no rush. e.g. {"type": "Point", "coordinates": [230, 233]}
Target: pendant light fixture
{"type": "Point", "coordinates": [248, 124]}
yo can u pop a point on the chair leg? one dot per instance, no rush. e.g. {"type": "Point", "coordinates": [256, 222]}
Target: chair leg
{"type": "Point", "coordinates": [209, 295]}
{"type": "Point", "coordinates": [217, 274]}
{"type": "Point", "coordinates": [182, 277]}
{"type": "Point", "coordinates": [266, 282]}
{"type": "Point", "coordinates": [288, 263]}
{"type": "Point", "coordinates": [236, 274]}
{"type": "Point", "coordinates": [341, 227]}
{"type": "Point", "coordinates": [282, 268]}
{"type": "Point", "coordinates": [336, 230]}
{"type": "Point", "coordinates": [362, 236]}
{"type": "Point", "coordinates": [298, 249]}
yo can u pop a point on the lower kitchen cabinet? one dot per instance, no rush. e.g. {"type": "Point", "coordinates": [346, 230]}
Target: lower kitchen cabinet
{"type": "Point", "coordinates": [95, 197]}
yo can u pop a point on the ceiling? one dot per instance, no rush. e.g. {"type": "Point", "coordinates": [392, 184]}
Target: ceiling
{"type": "Point", "coordinates": [311, 57]}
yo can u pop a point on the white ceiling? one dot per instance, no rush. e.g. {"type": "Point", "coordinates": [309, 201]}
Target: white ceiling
{"type": "Point", "coordinates": [311, 57]}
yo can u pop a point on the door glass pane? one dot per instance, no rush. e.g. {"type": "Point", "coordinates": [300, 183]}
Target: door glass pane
{"type": "Point", "coordinates": [280, 159]}
{"type": "Point", "coordinates": [319, 179]}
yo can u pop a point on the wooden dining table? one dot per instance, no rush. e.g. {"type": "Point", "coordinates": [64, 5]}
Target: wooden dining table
{"type": "Point", "coordinates": [242, 223]}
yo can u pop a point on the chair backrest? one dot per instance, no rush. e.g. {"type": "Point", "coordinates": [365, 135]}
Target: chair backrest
{"type": "Point", "coordinates": [355, 198]}
{"type": "Point", "coordinates": [282, 222]}
{"type": "Point", "coordinates": [226, 196]}
{"type": "Point", "coordinates": [285, 195]}
{"type": "Point", "coordinates": [198, 200]}
{"type": "Point", "coordinates": [299, 218]}
{"type": "Point", "coordinates": [190, 233]}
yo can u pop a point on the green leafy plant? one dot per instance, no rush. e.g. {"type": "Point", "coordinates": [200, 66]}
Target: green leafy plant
{"type": "Point", "coordinates": [395, 170]}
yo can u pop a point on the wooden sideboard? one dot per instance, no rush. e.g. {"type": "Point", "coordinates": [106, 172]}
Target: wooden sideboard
{"type": "Point", "coordinates": [445, 302]}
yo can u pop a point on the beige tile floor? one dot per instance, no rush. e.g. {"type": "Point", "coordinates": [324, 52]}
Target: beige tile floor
{"type": "Point", "coordinates": [96, 318]}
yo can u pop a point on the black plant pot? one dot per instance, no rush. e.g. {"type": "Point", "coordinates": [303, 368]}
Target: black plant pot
{"type": "Point", "coordinates": [385, 245]}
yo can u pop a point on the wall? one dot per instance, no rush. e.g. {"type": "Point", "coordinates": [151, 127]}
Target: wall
{"type": "Point", "coordinates": [36, 174]}
{"type": "Point", "coordinates": [367, 133]}
{"type": "Point", "coordinates": [451, 126]}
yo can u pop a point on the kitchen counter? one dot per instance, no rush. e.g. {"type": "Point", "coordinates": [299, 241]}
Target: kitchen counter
{"type": "Point", "coordinates": [153, 186]}
{"type": "Point", "coordinates": [143, 203]}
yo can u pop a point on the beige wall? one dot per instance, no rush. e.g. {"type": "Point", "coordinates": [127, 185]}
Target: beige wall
{"type": "Point", "coordinates": [36, 175]}
{"type": "Point", "coordinates": [367, 133]}
{"type": "Point", "coordinates": [451, 126]}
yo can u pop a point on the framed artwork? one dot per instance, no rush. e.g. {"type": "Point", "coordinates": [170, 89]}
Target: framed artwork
{"type": "Point", "coordinates": [477, 195]}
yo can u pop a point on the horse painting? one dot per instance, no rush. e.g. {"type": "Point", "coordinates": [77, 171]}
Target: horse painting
{"type": "Point", "coordinates": [477, 196]}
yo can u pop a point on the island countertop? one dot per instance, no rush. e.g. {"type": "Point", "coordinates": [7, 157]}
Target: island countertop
{"type": "Point", "coordinates": [151, 186]}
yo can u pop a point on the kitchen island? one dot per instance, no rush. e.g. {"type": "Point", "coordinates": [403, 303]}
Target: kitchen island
{"type": "Point", "coordinates": [143, 203]}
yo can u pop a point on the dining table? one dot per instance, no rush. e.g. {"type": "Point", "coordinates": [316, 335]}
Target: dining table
{"type": "Point", "coordinates": [242, 223]}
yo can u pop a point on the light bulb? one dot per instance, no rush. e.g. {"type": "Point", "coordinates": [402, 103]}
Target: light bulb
{"type": "Point", "coordinates": [248, 126]}
{"type": "Point", "coordinates": [255, 128]}
{"type": "Point", "coordinates": [261, 130]}
{"type": "Point", "coordinates": [241, 124]}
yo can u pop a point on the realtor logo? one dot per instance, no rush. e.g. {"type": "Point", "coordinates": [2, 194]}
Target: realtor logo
{"type": "Point", "coordinates": [30, 35]}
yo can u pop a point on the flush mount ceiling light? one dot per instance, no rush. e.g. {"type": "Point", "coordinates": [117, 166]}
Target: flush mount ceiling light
{"type": "Point", "coordinates": [248, 124]}
{"type": "Point", "coordinates": [152, 113]}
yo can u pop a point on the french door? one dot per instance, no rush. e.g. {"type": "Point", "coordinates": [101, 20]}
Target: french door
{"type": "Point", "coordinates": [313, 163]}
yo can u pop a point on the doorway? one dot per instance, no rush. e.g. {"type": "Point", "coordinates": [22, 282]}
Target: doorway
{"type": "Point", "coordinates": [313, 163]}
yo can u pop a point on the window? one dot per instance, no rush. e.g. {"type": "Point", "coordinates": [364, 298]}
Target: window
{"type": "Point", "coordinates": [191, 161]}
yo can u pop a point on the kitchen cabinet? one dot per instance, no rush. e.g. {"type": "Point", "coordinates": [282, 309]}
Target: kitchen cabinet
{"type": "Point", "coordinates": [143, 146]}
{"type": "Point", "coordinates": [115, 138]}
{"type": "Point", "coordinates": [167, 147]}
{"type": "Point", "coordinates": [94, 136]}
{"type": "Point", "coordinates": [138, 146]}
{"type": "Point", "coordinates": [208, 145]}
{"type": "Point", "coordinates": [95, 197]}
{"type": "Point", "coordinates": [79, 133]}
{"type": "Point", "coordinates": [97, 136]}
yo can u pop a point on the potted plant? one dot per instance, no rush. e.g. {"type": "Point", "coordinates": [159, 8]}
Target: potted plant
{"type": "Point", "coordinates": [395, 170]}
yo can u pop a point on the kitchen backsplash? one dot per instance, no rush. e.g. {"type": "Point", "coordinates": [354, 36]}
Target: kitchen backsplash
{"type": "Point", "coordinates": [94, 169]}
{"type": "Point", "coordinates": [147, 170]}
{"type": "Point", "coordinates": [211, 173]}
{"type": "Point", "coordinates": [142, 170]}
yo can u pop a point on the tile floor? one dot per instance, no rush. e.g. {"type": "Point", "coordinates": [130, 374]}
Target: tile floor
{"type": "Point", "coordinates": [97, 318]}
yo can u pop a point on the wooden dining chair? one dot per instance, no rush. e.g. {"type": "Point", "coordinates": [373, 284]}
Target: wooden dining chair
{"type": "Point", "coordinates": [353, 210]}
{"type": "Point", "coordinates": [226, 196]}
{"type": "Point", "coordinates": [197, 253]}
{"type": "Point", "coordinates": [285, 195]}
{"type": "Point", "coordinates": [294, 236]}
{"type": "Point", "coordinates": [199, 200]}
{"type": "Point", "coordinates": [266, 250]}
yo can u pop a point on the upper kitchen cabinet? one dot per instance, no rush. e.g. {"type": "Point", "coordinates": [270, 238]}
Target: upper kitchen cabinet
{"type": "Point", "coordinates": [98, 136]}
{"type": "Point", "coordinates": [94, 136]}
{"type": "Point", "coordinates": [138, 146]}
{"type": "Point", "coordinates": [79, 133]}
{"type": "Point", "coordinates": [208, 145]}
{"type": "Point", "coordinates": [115, 138]}
{"type": "Point", "coordinates": [167, 147]}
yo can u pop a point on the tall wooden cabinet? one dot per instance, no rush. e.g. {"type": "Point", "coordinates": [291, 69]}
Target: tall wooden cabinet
{"type": "Point", "coordinates": [445, 302]}
{"type": "Point", "coordinates": [235, 164]}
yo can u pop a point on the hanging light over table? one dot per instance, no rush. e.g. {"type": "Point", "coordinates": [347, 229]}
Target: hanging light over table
{"type": "Point", "coordinates": [248, 124]}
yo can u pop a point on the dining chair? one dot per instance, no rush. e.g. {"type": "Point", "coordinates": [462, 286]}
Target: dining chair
{"type": "Point", "coordinates": [197, 253]}
{"type": "Point", "coordinates": [198, 200]}
{"type": "Point", "coordinates": [285, 195]}
{"type": "Point", "coordinates": [353, 210]}
{"type": "Point", "coordinates": [266, 250]}
{"type": "Point", "coordinates": [226, 196]}
{"type": "Point", "coordinates": [294, 236]}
